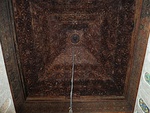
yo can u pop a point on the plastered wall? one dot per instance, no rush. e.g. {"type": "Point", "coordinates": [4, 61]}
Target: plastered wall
{"type": "Point", "coordinates": [6, 103]}
{"type": "Point", "coordinates": [143, 98]}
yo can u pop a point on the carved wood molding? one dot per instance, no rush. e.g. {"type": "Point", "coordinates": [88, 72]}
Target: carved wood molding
{"type": "Point", "coordinates": [14, 69]}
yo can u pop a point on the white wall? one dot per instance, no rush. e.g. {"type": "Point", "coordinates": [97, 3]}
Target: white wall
{"type": "Point", "coordinates": [144, 87]}
{"type": "Point", "coordinates": [6, 103]}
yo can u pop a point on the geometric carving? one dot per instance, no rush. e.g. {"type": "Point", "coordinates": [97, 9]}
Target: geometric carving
{"type": "Point", "coordinates": [101, 55]}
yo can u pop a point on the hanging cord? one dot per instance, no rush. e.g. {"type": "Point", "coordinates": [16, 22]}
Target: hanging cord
{"type": "Point", "coordinates": [71, 92]}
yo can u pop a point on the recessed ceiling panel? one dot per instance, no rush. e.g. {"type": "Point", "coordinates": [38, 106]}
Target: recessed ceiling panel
{"type": "Point", "coordinates": [98, 31]}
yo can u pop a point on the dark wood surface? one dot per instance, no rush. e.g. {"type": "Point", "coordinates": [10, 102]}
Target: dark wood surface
{"type": "Point", "coordinates": [140, 35]}
{"type": "Point", "coordinates": [78, 107]}
{"type": "Point", "coordinates": [44, 30]}
{"type": "Point", "coordinates": [7, 34]}
{"type": "Point", "coordinates": [35, 36]}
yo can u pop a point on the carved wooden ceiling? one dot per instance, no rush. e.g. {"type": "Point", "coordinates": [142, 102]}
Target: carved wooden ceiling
{"type": "Point", "coordinates": [44, 29]}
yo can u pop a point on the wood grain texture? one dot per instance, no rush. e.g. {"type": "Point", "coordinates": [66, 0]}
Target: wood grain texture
{"type": "Point", "coordinates": [44, 30]}
{"type": "Point", "coordinates": [141, 39]}
{"type": "Point", "coordinates": [43, 40]}
{"type": "Point", "coordinates": [79, 107]}
{"type": "Point", "coordinates": [7, 34]}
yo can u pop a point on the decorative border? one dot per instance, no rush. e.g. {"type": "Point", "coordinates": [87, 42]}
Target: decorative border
{"type": "Point", "coordinates": [141, 35]}
{"type": "Point", "coordinates": [7, 34]}
{"type": "Point", "coordinates": [143, 106]}
{"type": "Point", "coordinates": [147, 78]}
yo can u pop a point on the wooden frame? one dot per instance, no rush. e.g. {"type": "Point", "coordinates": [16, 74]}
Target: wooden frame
{"type": "Point", "coordinates": [124, 104]}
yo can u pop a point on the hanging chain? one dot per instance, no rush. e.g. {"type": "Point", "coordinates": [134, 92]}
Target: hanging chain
{"type": "Point", "coordinates": [72, 78]}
